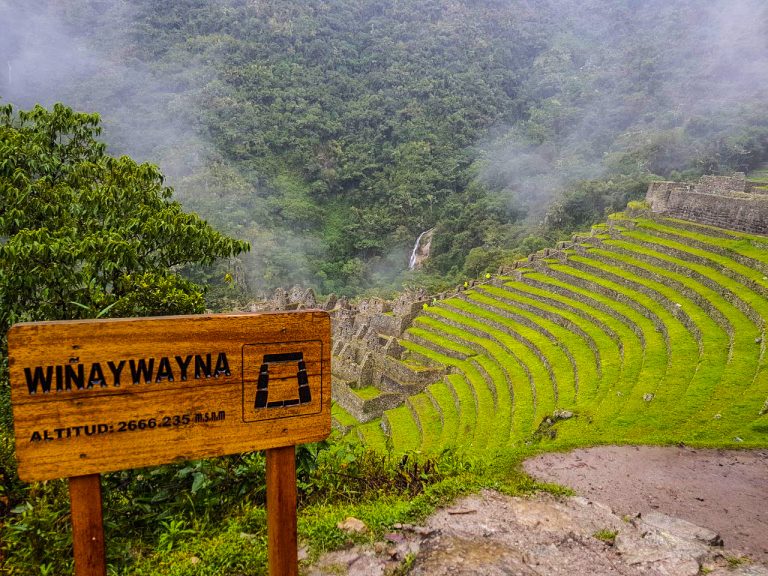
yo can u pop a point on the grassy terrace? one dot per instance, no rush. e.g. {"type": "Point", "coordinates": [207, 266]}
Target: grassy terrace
{"type": "Point", "coordinates": [403, 429]}
{"type": "Point", "coordinates": [657, 354]}
{"type": "Point", "coordinates": [524, 369]}
{"type": "Point", "coordinates": [461, 389]}
{"type": "Point", "coordinates": [653, 334]}
{"type": "Point", "coordinates": [609, 345]}
{"type": "Point", "coordinates": [585, 361]}
{"type": "Point", "coordinates": [660, 413]}
{"type": "Point", "coordinates": [445, 337]}
{"type": "Point", "coordinates": [736, 407]}
{"type": "Point", "coordinates": [677, 404]}
{"type": "Point", "coordinates": [429, 420]}
{"type": "Point", "coordinates": [748, 250]}
{"type": "Point", "coordinates": [371, 434]}
{"type": "Point", "coordinates": [515, 340]}
{"type": "Point", "coordinates": [443, 397]}
{"type": "Point", "coordinates": [341, 417]}
{"type": "Point", "coordinates": [674, 240]}
{"type": "Point", "coordinates": [629, 345]}
{"type": "Point", "coordinates": [368, 393]}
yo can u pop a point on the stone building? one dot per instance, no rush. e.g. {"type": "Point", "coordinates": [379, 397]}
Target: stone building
{"type": "Point", "coordinates": [730, 202]}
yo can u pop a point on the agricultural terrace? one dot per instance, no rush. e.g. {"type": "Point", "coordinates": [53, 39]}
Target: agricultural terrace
{"type": "Point", "coordinates": [647, 331]}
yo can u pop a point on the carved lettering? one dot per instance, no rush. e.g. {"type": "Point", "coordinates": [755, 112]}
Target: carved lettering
{"type": "Point", "coordinates": [72, 376]}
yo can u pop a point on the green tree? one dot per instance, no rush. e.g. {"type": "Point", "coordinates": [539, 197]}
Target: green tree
{"type": "Point", "coordinates": [85, 234]}
{"type": "Point", "coordinates": [82, 234]}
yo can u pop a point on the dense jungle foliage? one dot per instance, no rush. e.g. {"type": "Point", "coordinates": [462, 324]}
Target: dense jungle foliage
{"type": "Point", "coordinates": [330, 134]}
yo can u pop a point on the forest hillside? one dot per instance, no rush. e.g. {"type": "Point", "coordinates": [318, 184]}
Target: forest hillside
{"type": "Point", "coordinates": [331, 134]}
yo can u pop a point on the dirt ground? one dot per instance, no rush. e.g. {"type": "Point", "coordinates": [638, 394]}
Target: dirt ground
{"type": "Point", "coordinates": [726, 491]}
{"type": "Point", "coordinates": [638, 511]}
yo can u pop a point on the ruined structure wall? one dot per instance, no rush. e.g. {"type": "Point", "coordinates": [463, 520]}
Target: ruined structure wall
{"type": "Point", "coordinates": [727, 203]}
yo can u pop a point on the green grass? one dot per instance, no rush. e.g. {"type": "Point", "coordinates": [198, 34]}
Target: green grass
{"type": "Point", "coordinates": [467, 409]}
{"type": "Point", "coordinates": [448, 337]}
{"type": "Point", "coordinates": [512, 354]}
{"type": "Point", "coordinates": [502, 418]}
{"type": "Point", "coordinates": [747, 245]}
{"type": "Point", "coordinates": [380, 491]}
{"type": "Point", "coordinates": [462, 390]}
{"type": "Point", "coordinates": [742, 360]}
{"type": "Point", "coordinates": [404, 430]}
{"type": "Point", "coordinates": [593, 322]}
{"type": "Point", "coordinates": [443, 397]}
{"type": "Point", "coordinates": [429, 421]}
{"type": "Point", "coordinates": [719, 357]}
{"type": "Point", "coordinates": [585, 360]}
{"type": "Point", "coordinates": [630, 357]}
{"type": "Point", "coordinates": [652, 336]}
{"type": "Point", "coordinates": [683, 353]}
{"type": "Point", "coordinates": [606, 355]}
{"type": "Point", "coordinates": [736, 408]}
{"type": "Point", "coordinates": [367, 393]}
{"type": "Point", "coordinates": [611, 413]}
{"type": "Point", "coordinates": [342, 416]}
{"type": "Point", "coordinates": [371, 434]}
{"type": "Point", "coordinates": [516, 339]}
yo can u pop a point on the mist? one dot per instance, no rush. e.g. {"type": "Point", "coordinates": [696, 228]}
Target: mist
{"type": "Point", "coordinates": [306, 127]}
{"type": "Point", "coordinates": [83, 55]}
{"type": "Point", "coordinates": [47, 59]}
{"type": "Point", "coordinates": [617, 79]}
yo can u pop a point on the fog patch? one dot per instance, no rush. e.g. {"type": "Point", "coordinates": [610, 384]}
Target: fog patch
{"type": "Point", "coordinates": [682, 83]}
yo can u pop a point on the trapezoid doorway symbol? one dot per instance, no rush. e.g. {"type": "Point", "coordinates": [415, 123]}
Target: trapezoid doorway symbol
{"type": "Point", "coordinates": [282, 379]}
{"type": "Point", "coordinates": [303, 392]}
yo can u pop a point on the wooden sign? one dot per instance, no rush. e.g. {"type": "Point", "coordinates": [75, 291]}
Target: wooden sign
{"type": "Point", "coordinates": [94, 396]}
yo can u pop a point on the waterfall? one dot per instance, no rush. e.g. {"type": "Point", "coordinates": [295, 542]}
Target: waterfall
{"type": "Point", "coordinates": [412, 261]}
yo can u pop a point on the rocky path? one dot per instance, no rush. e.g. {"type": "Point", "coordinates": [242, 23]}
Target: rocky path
{"type": "Point", "coordinates": [725, 490]}
{"type": "Point", "coordinates": [639, 511]}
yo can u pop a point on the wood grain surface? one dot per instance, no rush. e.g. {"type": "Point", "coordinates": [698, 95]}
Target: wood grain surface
{"type": "Point", "coordinates": [282, 543]}
{"type": "Point", "coordinates": [87, 525]}
{"type": "Point", "coordinates": [128, 393]}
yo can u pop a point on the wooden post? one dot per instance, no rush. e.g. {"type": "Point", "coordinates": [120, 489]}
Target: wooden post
{"type": "Point", "coordinates": [282, 546]}
{"type": "Point", "coordinates": [87, 525]}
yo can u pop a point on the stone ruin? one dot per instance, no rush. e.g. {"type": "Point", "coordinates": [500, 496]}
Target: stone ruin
{"type": "Point", "coordinates": [730, 202]}
{"type": "Point", "coordinates": [369, 371]}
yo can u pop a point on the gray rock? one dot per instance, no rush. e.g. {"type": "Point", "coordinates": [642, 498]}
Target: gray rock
{"type": "Point", "coordinates": [669, 545]}
{"type": "Point", "coordinates": [681, 528]}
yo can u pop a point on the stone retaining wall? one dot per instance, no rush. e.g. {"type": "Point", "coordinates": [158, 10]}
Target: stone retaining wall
{"type": "Point", "coordinates": [726, 202]}
{"type": "Point", "coordinates": [363, 410]}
